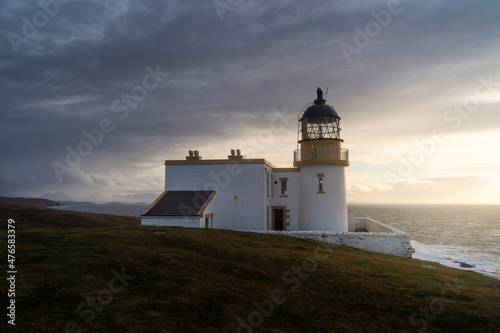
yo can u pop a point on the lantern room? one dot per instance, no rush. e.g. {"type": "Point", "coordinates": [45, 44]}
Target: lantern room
{"type": "Point", "coordinates": [320, 121]}
{"type": "Point", "coordinates": [319, 135]}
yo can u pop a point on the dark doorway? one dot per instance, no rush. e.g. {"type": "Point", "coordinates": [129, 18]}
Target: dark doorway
{"type": "Point", "coordinates": [278, 218]}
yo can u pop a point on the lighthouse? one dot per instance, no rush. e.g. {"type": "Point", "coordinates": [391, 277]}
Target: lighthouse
{"type": "Point", "coordinates": [254, 194]}
{"type": "Point", "coordinates": [322, 162]}
{"type": "Point", "coordinates": [307, 200]}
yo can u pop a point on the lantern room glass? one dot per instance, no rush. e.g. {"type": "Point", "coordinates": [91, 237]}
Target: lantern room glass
{"type": "Point", "coordinates": [325, 127]}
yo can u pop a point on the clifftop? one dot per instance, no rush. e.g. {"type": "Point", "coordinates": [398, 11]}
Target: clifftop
{"type": "Point", "coordinates": [131, 278]}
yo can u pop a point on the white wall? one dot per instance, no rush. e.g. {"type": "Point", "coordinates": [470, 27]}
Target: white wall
{"type": "Point", "coordinates": [171, 221]}
{"type": "Point", "coordinates": [291, 202]}
{"type": "Point", "coordinates": [246, 182]}
{"type": "Point", "coordinates": [209, 210]}
{"type": "Point", "coordinates": [322, 211]}
{"type": "Point", "coordinates": [389, 241]}
{"type": "Point", "coordinates": [351, 219]}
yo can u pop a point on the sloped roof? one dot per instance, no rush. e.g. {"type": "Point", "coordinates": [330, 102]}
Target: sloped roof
{"type": "Point", "coordinates": [180, 203]}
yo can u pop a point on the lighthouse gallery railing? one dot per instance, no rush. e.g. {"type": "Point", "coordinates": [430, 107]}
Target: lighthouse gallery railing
{"type": "Point", "coordinates": [321, 154]}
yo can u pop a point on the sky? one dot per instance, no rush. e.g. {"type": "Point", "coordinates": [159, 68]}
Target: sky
{"type": "Point", "coordinates": [95, 95]}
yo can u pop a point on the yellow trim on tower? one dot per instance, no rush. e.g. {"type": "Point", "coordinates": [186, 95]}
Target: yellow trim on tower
{"type": "Point", "coordinates": [320, 143]}
{"type": "Point", "coordinates": [339, 162]}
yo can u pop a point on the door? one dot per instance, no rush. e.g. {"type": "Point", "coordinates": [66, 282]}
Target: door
{"type": "Point", "coordinates": [278, 218]}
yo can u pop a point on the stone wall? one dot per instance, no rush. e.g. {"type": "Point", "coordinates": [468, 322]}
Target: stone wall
{"type": "Point", "coordinates": [379, 238]}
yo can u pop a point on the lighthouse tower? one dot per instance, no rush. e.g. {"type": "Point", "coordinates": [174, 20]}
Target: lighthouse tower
{"type": "Point", "coordinates": [322, 162]}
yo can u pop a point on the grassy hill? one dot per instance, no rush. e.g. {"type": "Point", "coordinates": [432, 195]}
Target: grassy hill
{"type": "Point", "coordinates": [121, 277]}
{"type": "Point", "coordinates": [29, 217]}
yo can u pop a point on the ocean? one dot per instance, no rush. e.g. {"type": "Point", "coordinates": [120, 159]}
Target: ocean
{"type": "Point", "coordinates": [447, 234]}
{"type": "Point", "coordinates": [113, 209]}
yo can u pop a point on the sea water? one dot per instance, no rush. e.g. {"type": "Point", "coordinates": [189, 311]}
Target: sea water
{"type": "Point", "coordinates": [447, 234]}
{"type": "Point", "coordinates": [113, 209]}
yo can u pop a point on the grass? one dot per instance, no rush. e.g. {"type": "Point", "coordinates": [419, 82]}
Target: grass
{"type": "Point", "coordinates": [203, 280]}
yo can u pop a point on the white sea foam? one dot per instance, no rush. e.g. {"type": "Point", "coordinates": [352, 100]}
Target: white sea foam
{"type": "Point", "coordinates": [484, 260]}
{"type": "Point", "coordinates": [447, 233]}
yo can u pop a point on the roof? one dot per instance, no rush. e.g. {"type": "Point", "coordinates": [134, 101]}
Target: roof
{"type": "Point", "coordinates": [320, 110]}
{"type": "Point", "coordinates": [180, 203]}
{"type": "Point", "coordinates": [220, 161]}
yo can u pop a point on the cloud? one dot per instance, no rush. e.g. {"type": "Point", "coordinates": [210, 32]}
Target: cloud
{"type": "Point", "coordinates": [225, 78]}
{"type": "Point", "coordinates": [439, 190]}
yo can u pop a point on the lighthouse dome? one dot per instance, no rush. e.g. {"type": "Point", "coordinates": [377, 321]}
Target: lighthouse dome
{"type": "Point", "coordinates": [319, 121]}
{"type": "Point", "coordinates": [319, 109]}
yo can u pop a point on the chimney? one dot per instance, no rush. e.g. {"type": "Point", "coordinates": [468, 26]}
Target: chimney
{"type": "Point", "coordinates": [194, 155]}
{"type": "Point", "coordinates": [238, 155]}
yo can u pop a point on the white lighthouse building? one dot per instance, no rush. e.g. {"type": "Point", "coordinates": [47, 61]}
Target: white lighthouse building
{"type": "Point", "coordinates": [253, 194]}
{"type": "Point", "coordinates": [322, 204]}
{"type": "Point", "coordinates": [307, 200]}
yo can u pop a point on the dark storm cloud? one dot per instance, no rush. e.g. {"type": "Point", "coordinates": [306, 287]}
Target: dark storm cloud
{"type": "Point", "coordinates": [223, 75]}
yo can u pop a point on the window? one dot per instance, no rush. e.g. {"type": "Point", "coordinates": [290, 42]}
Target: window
{"type": "Point", "coordinates": [283, 187]}
{"type": "Point", "coordinates": [320, 182]}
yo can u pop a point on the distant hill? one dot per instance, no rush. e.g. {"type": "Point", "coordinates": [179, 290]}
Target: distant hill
{"type": "Point", "coordinates": [33, 201]}
{"type": "Point", "coordinates": [29, 217]}
{"type": "Point", "coordinates": [129, 278]}
{"type": "Point", "coordinates": [58, 196]}
{"type": "Point", "coordinates": [145, 198]}
{"type": "Point", "coordinates": [97, 198]}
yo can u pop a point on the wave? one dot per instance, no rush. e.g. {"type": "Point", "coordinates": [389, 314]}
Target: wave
{"type": "Point", "coordinates": [483, 258]}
